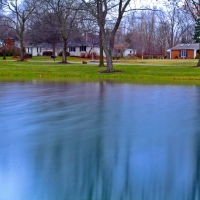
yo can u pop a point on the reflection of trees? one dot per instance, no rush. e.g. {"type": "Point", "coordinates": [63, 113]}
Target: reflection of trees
{"type": "Point", "coordinates": [76, 152]}
{"type": "Point", "coordinates": [82, 166]}
{"type": "Point", "coordinates": [98, 181]}
{"type": "Point", "coordinates": [196, 176]}
{"type": "Point", "coordinates": [86, 161]}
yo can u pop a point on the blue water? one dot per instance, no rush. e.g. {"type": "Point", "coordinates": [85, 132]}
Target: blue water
{"type": "Point", "coordinates": [99, 141]}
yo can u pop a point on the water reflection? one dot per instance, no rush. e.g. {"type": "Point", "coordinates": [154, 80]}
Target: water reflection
{"type": "Point", "coordinates": [99, 141]}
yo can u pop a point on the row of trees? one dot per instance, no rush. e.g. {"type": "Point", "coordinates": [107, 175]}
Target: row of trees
{"type": "Point", "coordinates": [24, 16]}
{"type": "Point", "coordinates": [119, 24]}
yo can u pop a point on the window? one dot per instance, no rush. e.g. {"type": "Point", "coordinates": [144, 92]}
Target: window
{"type": "Point", "coordinates": [72, 49]}
{"type": "Point", "coordinates": [29, 50]}
{"type": "Point", "coordinates": [39, 49]}
{"type": "Point", "coordinates": [83, 48]}
{"type": "Point", "coordinates": [183, 53]}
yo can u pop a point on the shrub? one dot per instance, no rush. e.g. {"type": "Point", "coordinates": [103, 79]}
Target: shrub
{"type": "Point", "coordinates": [47, 53]}
{"type": "Point", "coordinates": [83, 55]}
{"type": "Point", "coordinates": [197, 56]}
{"type": "Point", "coordinates": [88, 55]}
{"type": "Point", "coordinates": [95, 55]}
{"type": "Point", "coordinates": [28, 55]}
{"type": "Point", "coordinates": [146, 57]}
{"type": "Point", "coordinates": [67, 54]}
{"type": "Point", "coordinates": [15, 56]}
{"type": "Point", "coordinates": [116, 58]}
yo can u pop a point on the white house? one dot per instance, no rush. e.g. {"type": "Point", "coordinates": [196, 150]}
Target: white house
{"type": "Point", "coordinates": [74, 49]}
{"type": "Point", "coordinates": [129, 51]}
{"type": "Point", "coordinates": [77, 49]}
{"type": "Point", "coordinates": [39, 49]}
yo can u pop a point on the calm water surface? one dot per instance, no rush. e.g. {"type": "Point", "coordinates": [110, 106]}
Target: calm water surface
{"type": "Point", "coordinates": [99, 141]}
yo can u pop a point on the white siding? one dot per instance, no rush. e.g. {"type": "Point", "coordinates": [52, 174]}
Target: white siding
{"type": "Point", "coordinates": [129, 51]}
{"type": "Point", "coordinates": [77, 51]}
{"type": "Point", "coordinates": [39, 50]}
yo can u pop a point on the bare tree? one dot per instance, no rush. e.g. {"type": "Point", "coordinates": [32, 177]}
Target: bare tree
{"type": "Point", "coordinates": [89, 29]}
{"type": "Point", "coordinates": [154, 32]}
{"type": "Point", "coordinates": [191, 7]}
{"type": "Point", "coordinates": [108, 14]}
{"type": "Point", "coordinates": [45, 23]}
{"type": "Point", "coordinates": [5, 34]}
{"type": "Point", "coordinates": [66, 12]}
{"type": "Point", "coordinates": [20, 12]}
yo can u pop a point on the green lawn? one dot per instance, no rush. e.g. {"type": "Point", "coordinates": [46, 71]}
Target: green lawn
{"type": "Point", "coordinates": [132, 70]}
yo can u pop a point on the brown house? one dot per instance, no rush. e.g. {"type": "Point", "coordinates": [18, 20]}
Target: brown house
{"type": "Point", "coordinates": [188, 51]}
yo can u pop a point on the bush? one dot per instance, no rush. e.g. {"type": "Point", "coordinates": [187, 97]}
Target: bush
{"type": "Point", "coordinates": [67, 54]}
{"type": "Point", "coordinates": [116, 58]}
{"type": "Point", "coordinates": [197, 56]}
{"type": "Point", "coordinates": [146, 57]}
{"type": "Point", "coordinates": [83, 55]}
{"type": "Point", "coordinates": [89, 55]}
{"type": "Point", "coordinates": [47, 53]}
{"type": "Point", "coordinates": [28, 55]}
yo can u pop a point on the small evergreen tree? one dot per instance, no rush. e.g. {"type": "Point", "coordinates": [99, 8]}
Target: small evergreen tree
{"type": "Point", "coordinates": [196, 36]}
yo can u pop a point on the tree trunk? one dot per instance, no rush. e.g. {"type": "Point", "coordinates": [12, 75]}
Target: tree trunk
{"type": "Point", "coordinates": [54, 49]}
{"type": "Point", "coordinates": [21, 39]}
{"type": "Point", "coordinates": [4, 52]}
{"type": "Point", "coordinates": [109, 63]}
{"type": "Point", "coordinates": [109, 59]}
{"type": "Point", "coordinates": [108, 52]}
{"type": "Point", "coordinates": [198, 64]}
{"type": "Point", "coordinates": [101, 60]}
{"type": "Point", "coordinates": [4, 55]}
{"type": "Point", "coordinates": [22, 48]}
{"type": "Point", "coordinates": [64, 60]}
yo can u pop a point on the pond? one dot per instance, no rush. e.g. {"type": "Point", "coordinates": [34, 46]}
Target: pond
{"type": "Point", "coordinates": [99, 141]}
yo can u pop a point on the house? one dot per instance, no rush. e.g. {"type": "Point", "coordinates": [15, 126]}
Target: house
{"type": "Point", "coordinates": [82, 48]}
{"type": "Point", "coordinates": [128, 52]}
{"type": "Point", "coordinates": [79, 49]}
{"type": "Point", "coordinates": [74, 49]}
{"type": "Point", "coordinates": [184, 51]}
{"type": "Point", "coordinates": [42, 49]}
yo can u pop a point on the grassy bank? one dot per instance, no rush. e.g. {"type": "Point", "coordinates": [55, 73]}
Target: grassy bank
{"type": "Point", "coordinates": [46, 68]}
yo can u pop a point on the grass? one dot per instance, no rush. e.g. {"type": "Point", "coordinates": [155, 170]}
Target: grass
{"type": "Point", "coordinates": [132, 70]}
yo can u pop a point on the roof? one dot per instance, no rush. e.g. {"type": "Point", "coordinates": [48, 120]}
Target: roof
{"type": "Point", "coordinates": [79, 44]}
{"type": "Point", "coordinates": [70, 44]}
{"type": "Point", "coordinates": [39, 45]}
{"type": "Point", "coordinates": [186, 46]}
